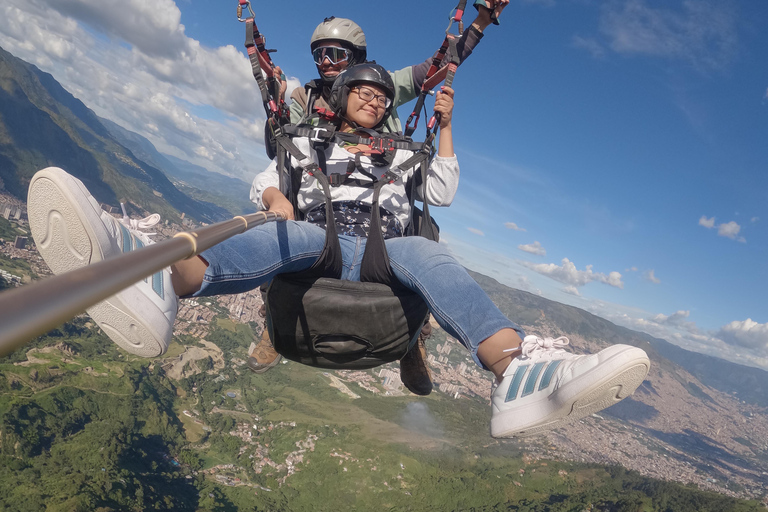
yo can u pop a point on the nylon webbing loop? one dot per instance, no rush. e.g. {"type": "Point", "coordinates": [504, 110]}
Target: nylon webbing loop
{"type": "Point", "coordinates": [261, 64]}
{"type": "Point", "coordinates": [435, 68]}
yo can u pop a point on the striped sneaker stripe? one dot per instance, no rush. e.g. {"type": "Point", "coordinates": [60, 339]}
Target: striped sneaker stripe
{"type": "Point", "coordinates": [514, 386]}
{"type": "Point", "coordinates": [157, 284]}
{"type": "Point", "coordinates": [127, 246]}
{"type": "Point", "coordinates": [546, 379]}
{"type": "Point", "coordinates": [530, 383]}
{"type": "Point", "coordinates": [533, 377]}
{"type": "Point", "coordinates": [130, 243]}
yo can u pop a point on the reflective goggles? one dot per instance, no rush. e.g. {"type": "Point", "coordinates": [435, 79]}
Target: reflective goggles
{"type": "Point", "coordinates": [333, 53]}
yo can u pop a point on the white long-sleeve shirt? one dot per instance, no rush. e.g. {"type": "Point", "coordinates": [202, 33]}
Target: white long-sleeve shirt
{"type": "Point", "coordinates": [442, 182]}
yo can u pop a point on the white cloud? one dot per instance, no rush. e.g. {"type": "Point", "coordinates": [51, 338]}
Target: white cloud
{"type": "Point", "coordinates": [572, 290]}
{"type": "Point", "coordinates": [513, 226]}
{"type": "Point", "coordinates": [755, 219]}
{"type": "Point", "coordinates": [677, 329]}
{"type": "Point", "coordinates": [631, 269]}
{"type": "Point", "coordinates": [476, 231]}
{"type": "Point", "coordinates": [676, 318]}
{"type": "Point", "coordinates": [730, 230]}
{"type": "Point", "coordinates": [748, 333]}
{"type": "Point", "coordinates": [569, 274]}
{"type": "Point", "coordinates": [701, 32]}
{"type": "Point", "coordinates": [534, 248]}
{"type": "Point", "coordinates": [650, 276]}
{"type": "Point", "coordinates": [590, 44]}
{"type": "Point", "coordinates": [707, 223]}
{"type": "Point", "coordinates": [727, 229]}
{"type": "Point", "coordinates": [132, 63]}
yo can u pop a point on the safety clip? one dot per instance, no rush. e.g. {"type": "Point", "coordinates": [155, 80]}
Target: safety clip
{"type": "Point", "coordinates": [240, 10]}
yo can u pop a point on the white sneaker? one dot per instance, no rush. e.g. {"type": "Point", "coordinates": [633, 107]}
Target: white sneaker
{"type": "Point", "coordinates": [546, 387]}
{"type": "Point", "coordinates": [71, 231]}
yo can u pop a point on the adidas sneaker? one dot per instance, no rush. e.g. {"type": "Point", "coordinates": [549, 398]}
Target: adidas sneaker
{"type": "Point", "coordinates": [71, 231]}
{"type": "Point", "coordinates": [546, 387]}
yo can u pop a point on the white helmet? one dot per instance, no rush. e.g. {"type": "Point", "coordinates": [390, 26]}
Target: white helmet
{"type": "Point", "coordinates": [344, 30]}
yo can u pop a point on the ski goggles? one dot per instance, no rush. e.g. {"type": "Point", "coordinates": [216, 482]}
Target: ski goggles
{"type": "Point", "coordinates": [333, 53]}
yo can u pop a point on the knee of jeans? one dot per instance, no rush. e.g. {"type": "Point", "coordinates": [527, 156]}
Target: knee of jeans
{"type": "Point", "coordinates": [423, 250]}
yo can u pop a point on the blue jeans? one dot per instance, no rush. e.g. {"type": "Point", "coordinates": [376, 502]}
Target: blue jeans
{"type": "Point", "coordinates": [455, 300]}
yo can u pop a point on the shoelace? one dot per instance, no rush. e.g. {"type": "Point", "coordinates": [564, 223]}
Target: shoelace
{"type": "Point", "coordinates": [139, 224]}
{"type": "Point", "coordinates": [533, 345]}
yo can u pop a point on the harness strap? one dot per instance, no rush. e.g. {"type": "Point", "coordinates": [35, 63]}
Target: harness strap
{"type": "Point", "coordinates": [378, 144]}
{"type": "Point", "coordinates": [261, 64]}
{"type": "Point", "coordinates": [437, 61]}
{"type": "Point", "coordinates": [375, 265]}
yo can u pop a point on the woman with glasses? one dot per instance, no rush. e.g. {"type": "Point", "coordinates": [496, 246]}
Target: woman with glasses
{"type": "Point", "coordinates": [538, 386]}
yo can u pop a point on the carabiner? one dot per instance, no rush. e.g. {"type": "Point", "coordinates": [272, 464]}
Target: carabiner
{"type": "Point", "coordinates": [240, 10]}
{"type": "Point", "coordinates": [456, 17]}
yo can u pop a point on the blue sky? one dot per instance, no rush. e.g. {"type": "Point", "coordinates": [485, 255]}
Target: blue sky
{"type": "Point", "coordinates": [613, 154]}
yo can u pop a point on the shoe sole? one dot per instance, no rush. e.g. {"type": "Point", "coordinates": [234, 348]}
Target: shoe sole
{"type": "Point", "coordinates": [263, 368]}
{"type": "Point", "coordinates": [615, 387]}
{"type": "Point", "coordinates": [62, 229]}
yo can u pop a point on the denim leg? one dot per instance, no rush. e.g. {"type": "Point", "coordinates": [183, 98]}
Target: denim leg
{"type": "Point", "coordinates": [247, 260]}
{"type": "Point", "coordinates": [456, 301]}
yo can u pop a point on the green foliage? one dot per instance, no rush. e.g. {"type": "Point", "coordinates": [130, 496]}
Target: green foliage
{"type": "Point", "coordinates": [17, 267]}
{"type": "Point", "coordinates": [72, 440]}
{"type": "Point", "coordinates": [7, 230]}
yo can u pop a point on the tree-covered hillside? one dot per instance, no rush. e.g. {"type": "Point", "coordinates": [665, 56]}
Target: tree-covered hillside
{"type": "Point", "coordinates": [84, 426]}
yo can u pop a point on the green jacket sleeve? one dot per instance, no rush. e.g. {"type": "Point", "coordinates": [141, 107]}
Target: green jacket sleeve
{"type": "Point", "coordinates": [405, 91]}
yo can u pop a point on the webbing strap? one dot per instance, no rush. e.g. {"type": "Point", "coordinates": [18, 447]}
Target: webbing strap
{"type": "Point", "coordinates": [375, 265]}
{"type": "Point", "coordinates": [436, 66]}
{"type": "Point", "coordinates": [379, 144]}
{"type": "Point", "coordinates": [260, 62]}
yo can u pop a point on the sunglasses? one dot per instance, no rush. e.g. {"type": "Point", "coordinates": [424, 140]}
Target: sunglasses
{"type": "Point", "coordinates": [333, 53]}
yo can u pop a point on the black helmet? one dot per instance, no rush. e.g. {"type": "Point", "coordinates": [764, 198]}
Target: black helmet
{"type": "Point", "coordinates": [366, 73]}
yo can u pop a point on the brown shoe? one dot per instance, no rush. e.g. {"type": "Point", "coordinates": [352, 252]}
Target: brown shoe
{"type": "Point", "coordinates": [263, 356]}
{"type": "Point", "coordinates": [414, 371]}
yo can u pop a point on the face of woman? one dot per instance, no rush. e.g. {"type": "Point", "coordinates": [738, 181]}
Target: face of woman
{"type": "Point", "coordinates": [366, 113]}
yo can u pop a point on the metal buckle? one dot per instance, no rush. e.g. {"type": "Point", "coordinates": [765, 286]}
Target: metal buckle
{"type": "Point", "coordinates": [315, 135]}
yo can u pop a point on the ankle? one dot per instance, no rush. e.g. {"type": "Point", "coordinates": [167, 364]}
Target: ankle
{"type": "Point", "coordinates": [497, 351]}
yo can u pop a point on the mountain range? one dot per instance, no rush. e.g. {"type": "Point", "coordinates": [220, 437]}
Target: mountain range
{"type": "Point", "coordinates": [42, 125]}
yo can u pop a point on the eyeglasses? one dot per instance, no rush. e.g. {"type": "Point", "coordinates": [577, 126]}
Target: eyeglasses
{"type": "Point", "coordinates": [368, 95]}
{"type": "Point", "coordinates": [333, 53]}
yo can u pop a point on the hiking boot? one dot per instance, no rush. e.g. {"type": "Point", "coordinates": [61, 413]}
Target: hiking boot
{"type": "Point", "coordinates": [414, 371]}
{"type": "Point", "coordinates": [263, 356]}
{"type": "Point", "coordinates": [546, 387]}
{"type": "Point", "coordinates": [71, 231]}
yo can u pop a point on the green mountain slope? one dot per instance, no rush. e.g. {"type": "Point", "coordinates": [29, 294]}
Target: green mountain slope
{"type": "Point", "coordinates": [83, 427]}
{"type": "Point", "coordinates": [42, 125]}
{"type": "Point", "coordinates": [195, 181]}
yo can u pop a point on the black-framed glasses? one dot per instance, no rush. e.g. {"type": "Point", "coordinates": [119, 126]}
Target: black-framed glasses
{"type": "Point", "coordinates": [333, 53]}
{"type": "Point", "coordinates": [367, 95]}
